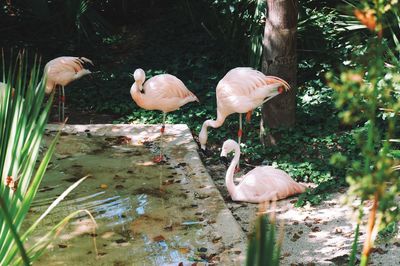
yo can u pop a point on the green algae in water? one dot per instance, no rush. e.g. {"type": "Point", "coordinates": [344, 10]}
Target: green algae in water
{"type": "Point", "coordinates": [142, 218]}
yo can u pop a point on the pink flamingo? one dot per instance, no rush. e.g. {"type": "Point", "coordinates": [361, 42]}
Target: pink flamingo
{"type": "Point", "coordinates": [60, 72]}
{"type": "Point", "coordinates": [242, 90]}
{"type": "Point", "coordinates": [261, 184]}
{"type": "Point", "coordinates": [163, 92]}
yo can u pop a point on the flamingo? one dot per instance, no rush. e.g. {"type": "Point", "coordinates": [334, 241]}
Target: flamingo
{"type": "Point", "coordinates": [263, 183]}
{"type": "Point", "coordinates": [163, 92]}
{"type": "Point", "coordinates": [60, 72]}
{"type": "Point", "coordinates": [242, 90]}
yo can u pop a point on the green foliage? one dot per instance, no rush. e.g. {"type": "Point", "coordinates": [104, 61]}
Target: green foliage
{"type": "Point", "coordinates": [23, 120]}
{"type": "Point", "coordinates": [321, 192]}
{"type": "Point", "coordinates": [363, 92]}
{"type": "Point", "coordinates": [237, 25]}
{"type": "Point", "coordinates": [72, 18]}
{"type": "Point", "coordinates": [263, 248]}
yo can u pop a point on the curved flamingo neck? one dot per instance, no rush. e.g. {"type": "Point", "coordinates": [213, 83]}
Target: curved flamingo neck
{"type": "Point", "coordinates": [230, 185]}
{"type": "Point", "coordinates": [203, 135]}
{"type": "Point", "coordinates": [135, 92]}
{"type": "Point", "coordinates": [215, 123]}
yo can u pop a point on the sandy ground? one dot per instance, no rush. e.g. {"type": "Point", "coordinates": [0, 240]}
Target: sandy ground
{"type": "Point", "coordinates": [314, 235]}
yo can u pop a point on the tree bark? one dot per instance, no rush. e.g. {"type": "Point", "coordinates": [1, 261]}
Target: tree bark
{"type": "Point", "coordinates": [280, 59]}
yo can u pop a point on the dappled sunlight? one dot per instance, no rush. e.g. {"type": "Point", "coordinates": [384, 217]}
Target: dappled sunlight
{"type": "Point", "coordinates": [319, 234]}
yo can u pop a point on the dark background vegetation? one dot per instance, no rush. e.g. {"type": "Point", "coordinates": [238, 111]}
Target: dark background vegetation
{"type": "Point", "coordinates": [199, 41]}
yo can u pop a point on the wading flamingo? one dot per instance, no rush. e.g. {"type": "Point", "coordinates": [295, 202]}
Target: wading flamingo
{"type": "Point", "coordinates": [263, 183]}
{"type": "Point", "coordinates": [60, 72]}
{"type": "Point", "coordinates": [242, 90]}
{"type": "Point", "coordinates": [163, 92]}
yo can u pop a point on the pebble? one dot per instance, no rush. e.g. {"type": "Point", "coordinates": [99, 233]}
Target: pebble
{"type": "Point", "coordinates": [202, 249]}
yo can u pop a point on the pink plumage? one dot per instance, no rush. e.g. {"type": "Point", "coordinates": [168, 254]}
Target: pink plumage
{"type": "Point", "coordinates": [264, 183]}
{"type": "Point", "coordinates": [163, 92]}
{"type": "Point", "coordinates": [63, 70]}
{"type": "Point", "coordinates": [242, 90]}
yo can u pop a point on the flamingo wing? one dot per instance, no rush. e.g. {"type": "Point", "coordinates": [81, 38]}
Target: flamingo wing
{"type": "Point", "coordinates": [168, 86]}
{"type": "Point", "coordinates": [265, 179]}
{"type": "Point", "coordinates": [244, 81]}
{"type": "Point", "coordinates": [242, 89]}
{"type": "Point", "coordinates": [63, 70]}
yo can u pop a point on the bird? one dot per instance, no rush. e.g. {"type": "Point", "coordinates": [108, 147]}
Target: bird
{"type": "Point", "coordinates": [263, 183]}
{"type": "Point", "coordinates": [163, 92]}
{"type": "Point", "coordinates": [241, 90]}
{"type": "Point", "coordinates": [60, 72]}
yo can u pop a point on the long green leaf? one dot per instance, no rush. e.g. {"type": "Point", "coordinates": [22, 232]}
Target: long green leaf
{"type": "Point", "coordinates": [7, 218]}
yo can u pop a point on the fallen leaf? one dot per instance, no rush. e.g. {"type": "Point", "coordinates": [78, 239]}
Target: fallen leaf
{"type": "Point", "coordinates": [158, 238]}
{"type": "Point", "coordinates": [316, 229]}
{"type": "Point", "coordinates": [183, 250]}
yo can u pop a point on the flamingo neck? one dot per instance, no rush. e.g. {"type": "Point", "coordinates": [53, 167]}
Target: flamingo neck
{"type": "Point", "coordinates": [49, 87]}
{"type": "Point", "coordinates": [135, 92]}
{"type": "Point", "coordinates": [203, 135]}
{"type": "Point", "coordinates": [230, 185]}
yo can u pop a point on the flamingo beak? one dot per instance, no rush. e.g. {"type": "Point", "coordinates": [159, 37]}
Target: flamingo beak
{"type": "Point", "coordinates": [223, 153]}
{"type": "Point", "coordinates": [205, 151]}
{"type": "Point", "coordinates": [224, 159]}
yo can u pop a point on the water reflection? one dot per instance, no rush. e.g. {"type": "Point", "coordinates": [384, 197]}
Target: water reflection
{"type": "Point", "coordinates": [139, 206]}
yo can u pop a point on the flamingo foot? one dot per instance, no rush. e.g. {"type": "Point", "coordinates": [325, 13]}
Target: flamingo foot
{"type": "Point", "coordinates": [237, 170]}
{"type": "Point", "coordinates": [158, 159]}
{"type": "Point", "coordinates": [248, 116]}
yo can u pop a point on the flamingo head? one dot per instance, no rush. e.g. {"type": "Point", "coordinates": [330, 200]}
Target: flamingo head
{"type": "Point", "coordinates": [50, 85]}
{"type": "Point", "coordinates": [140, 76]}
{"type": "Point", "coordinates": [275, 90]}
{"type": "Point", "coordinates": [229, 146]}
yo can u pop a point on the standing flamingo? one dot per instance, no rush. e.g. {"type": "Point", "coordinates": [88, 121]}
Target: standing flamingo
{"type": "Point", "coordinates": [242, 90]}
{"type": "Point", "coordinates": [60, 72]}
{"type": "Point", "coordinates": [263, 183]}
{"type": "Point", "coordinates": [163, 92]}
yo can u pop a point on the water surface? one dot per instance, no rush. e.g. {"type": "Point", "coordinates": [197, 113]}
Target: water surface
{"type": "Point", "coordinates": [143, 213]}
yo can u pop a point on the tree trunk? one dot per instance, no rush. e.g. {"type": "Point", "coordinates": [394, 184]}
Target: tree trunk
{"type": "Point", "coordinates": [279, 59]}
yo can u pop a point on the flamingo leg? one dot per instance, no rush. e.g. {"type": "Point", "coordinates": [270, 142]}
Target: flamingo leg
{"type": "Point", "coordinates": [59, 103]}
{"type": "Point", "coordinates": [63, 104]}
{"type": "Point", "coordinates": [240, 133]}
{"type": "Point", "coordinates": [248, 116]}
{"type": "Point", "coordinates": [160, 158]}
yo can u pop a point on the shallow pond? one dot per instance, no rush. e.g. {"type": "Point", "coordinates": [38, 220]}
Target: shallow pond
{"type": "Point", "coordinates": [142, 210]}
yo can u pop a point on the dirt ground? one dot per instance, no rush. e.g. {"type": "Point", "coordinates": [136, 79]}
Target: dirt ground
{"type": "Point", "coordinates": [313, 235]}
